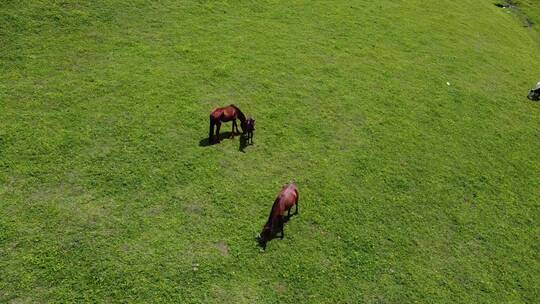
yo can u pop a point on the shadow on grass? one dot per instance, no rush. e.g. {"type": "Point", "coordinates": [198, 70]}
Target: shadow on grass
{"type": "Point", "coordinates": [243, 143]}
{"type": "Point", "coordinates": [205, 142]}
{"type": "Point", "coordinates": [226, 135]}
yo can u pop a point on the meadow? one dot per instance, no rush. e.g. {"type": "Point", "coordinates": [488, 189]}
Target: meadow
{"type": "Point", "coordinates": [405, 125]}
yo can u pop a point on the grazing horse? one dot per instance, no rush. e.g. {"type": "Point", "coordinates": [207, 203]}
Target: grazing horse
{"type": "Point", "coordinates": [250, 127]}
{"type": "Point", "coordinates": [286, 199]}
{"type": "Point", "coordinates": [226, 114]}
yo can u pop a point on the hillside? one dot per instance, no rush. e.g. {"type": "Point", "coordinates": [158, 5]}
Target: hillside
{"type": "Point", "coordinates": [405, 125]}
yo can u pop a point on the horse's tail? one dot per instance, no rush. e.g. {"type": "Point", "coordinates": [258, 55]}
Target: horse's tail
{"type": "Point", "coordinates": [212, 123]}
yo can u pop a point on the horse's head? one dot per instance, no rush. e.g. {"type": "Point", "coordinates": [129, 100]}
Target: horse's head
{"type": "Point", "coordinates": [250, 124]}
{"type": "Point", "coordinates": [243, 126]}
{"type": "Point", "coordinates": [264, 236]}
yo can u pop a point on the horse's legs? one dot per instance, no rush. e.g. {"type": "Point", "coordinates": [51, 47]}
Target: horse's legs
{"type": "Point", "coordinates": [296, 211]}
{"type": "Point", "coordinates": [233, 124]}
{"type": "Point", "coordinates": [211, 133]}
{"type": "Point", "coordinates": [218, 126]}
{"type": "Point", "coordinates": [236, 126]}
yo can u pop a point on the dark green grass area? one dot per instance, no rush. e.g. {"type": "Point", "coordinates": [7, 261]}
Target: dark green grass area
{"type": "Point", "coordinates": [411, 189]}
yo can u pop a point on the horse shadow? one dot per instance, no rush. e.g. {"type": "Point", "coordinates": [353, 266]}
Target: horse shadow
{"type": "Point", "coordinates": [205, 142]}
{"type": "Point", "coordinates": [244, 143]}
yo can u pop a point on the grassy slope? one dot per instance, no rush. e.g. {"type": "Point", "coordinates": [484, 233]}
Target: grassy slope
{"type": "Point", "coordinates": [411, 190]}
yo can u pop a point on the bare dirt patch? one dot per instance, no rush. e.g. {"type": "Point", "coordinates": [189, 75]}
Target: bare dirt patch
{"type": "Point", "coordinates": [155, 210]}
{"type": "Point", "coordinates": [223, 248]}
{"type": "Point", "coordinates": [280, 288]}
{"type": "Point", "coordinates": [194, 208]}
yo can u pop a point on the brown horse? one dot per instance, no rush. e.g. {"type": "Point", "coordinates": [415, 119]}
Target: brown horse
{"type": "Point", "coordinates": [286, 199]}
{"type": "Point", "coordinates": [226, 114]}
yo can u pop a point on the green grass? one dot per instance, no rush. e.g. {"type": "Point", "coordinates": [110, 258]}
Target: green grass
{"type": "Point", "coordinates": [531, 9]}
{"type": "Point", "coordinates": [411, 190]}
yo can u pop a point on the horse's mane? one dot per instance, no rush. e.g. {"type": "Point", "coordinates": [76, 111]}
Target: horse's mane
{"type": "Point", "coordinates": [241, 115]}
{"type": "Point", "coordinates": [274, 206]}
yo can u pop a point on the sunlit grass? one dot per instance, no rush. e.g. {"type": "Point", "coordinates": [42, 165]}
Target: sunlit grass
{"type": "Point", "coordinates": [405, 125]}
